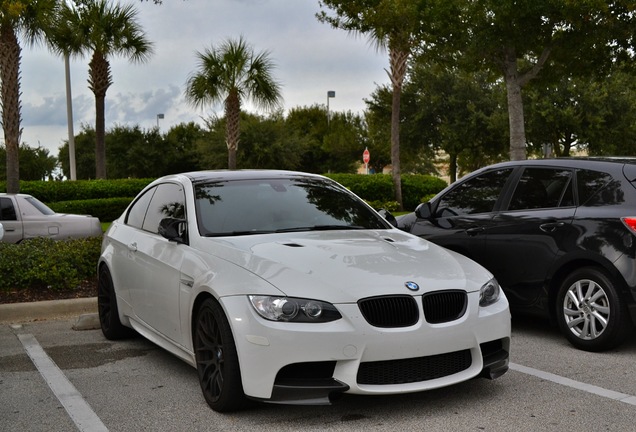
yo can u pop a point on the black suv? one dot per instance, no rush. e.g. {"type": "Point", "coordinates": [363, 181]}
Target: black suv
{"type": "Point", "coordinates": [558, 234]}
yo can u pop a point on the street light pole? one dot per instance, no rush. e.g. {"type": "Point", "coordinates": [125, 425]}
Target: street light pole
{"type": "Point", "coordinates": [330, 94]}
{"type": "Point", "coordinates": [159, 116]}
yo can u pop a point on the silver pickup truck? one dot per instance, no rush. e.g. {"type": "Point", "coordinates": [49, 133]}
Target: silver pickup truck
{"type": "Point", "coordinates": [23, 216]}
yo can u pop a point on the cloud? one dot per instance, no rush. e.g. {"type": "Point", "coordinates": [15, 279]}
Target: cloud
{"type": "Point", "coordinates": [311, 58]}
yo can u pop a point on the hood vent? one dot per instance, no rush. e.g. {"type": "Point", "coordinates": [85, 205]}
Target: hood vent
{"type": "Point", "coordinates": [293, 245]}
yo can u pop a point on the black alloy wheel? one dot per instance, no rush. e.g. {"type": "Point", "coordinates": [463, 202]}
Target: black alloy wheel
{"type": "Point", "coordinates": [590, 312]}
{"type": "Point", "coordinates": [217, 360]}
{"type": "Point", "coordinates": [112, 328]}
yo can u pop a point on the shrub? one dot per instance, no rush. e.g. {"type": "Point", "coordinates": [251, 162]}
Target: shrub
{"type": "Point", "coordinates": [53, 191]}
{"type": "Point", "coordinates": [378, 188]}
{"type": "Point", "coordinates": [46, 263]}
{"type": "Point", "coordinates": [106, 210]}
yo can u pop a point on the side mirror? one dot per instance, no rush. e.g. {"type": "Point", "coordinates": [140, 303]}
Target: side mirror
{"type": "Point", "coordinates": [173, 229]}
{"type": "Point", "coordinates": [389, 217]}
{"type": "Point", "coordinates": [424, 211]}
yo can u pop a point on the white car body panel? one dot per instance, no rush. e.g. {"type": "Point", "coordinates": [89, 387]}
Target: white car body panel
{"type": "Point", "coordinates": [30, 222]}
{"type": "Point", "coordinates": [158, 282]}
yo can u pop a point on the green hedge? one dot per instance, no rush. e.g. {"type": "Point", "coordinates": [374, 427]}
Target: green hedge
{"type": "Point", "coordinates": [49, 264]}
{"type": "Point", "coordinates": [54, 191]}
{"type": "Point", "coordinates": [107, 199]}
{"type": "Point", "coordinates": [64, 264]}
{"type": "Point", "coordinates": [107, 210]}
{"type": "Point", "coordinates": [378, 188]}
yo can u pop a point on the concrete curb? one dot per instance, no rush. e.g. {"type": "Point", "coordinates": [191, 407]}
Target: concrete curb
{"type": "Point", "coordinates": [46, 310]}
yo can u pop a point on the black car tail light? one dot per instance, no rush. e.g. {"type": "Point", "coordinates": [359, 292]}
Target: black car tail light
{"type": "Point", "coordinates": [630, 223]}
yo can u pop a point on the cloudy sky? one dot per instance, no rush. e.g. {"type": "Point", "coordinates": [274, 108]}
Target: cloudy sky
{"type": "Point", "coordinates": [311, 58]}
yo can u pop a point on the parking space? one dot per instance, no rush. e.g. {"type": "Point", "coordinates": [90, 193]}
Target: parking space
{"type": "Point", "coordinates": [133, 385]}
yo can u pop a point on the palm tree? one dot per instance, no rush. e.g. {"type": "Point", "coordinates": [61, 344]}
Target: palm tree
{"type": "Point", "coordinates": [104, 30]}
{"type": "Point", "coordinates": [29, 19]}
{"type": "Point", "coordinates": [230, 73]}
{"type": "Point", "coordinates": [393, 25]}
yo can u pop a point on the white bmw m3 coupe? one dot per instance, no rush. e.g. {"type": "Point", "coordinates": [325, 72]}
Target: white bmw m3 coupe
{"type": "Point", "coordinates": [285, 287]}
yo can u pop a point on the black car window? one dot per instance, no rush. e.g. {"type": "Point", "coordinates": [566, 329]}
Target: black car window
{"type": "Point", "coordinates": [7, 211]}
{"type": "Point", "coordinates": [167, 202]}
{"type": "Point", "coordinates": [592, 187]}
{"type": "Point", "coordinates": [137, 212]}
{"type": "Point", "coordinates": [243, 207]}
{"type": "Point", "coordinates": [477, 195]}
{"type": "Point", "coordinates": [542, 188]}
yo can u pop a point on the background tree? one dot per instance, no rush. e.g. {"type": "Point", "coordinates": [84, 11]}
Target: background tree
{"type": "Point", "coordinates": [590, 114]}
{"type": "Point", "coordinates": [457, 112]}
{"type": "Point", "coordinates": [102, 30]}
{"type": "Point", "coordinates": [521, 39]}
{"type": "Point", "coordinates": [400, 26]}
{"type": "Point", "coordinates": [344, 142]}
{"type": "Point", "coordinates": [232, 73]}
{"type": "Point", "coordinates": [29, 20]}
{"type": "Point", "coordinates": [305, 129]}
{"type": "Point", "coordinates": [35, 163]}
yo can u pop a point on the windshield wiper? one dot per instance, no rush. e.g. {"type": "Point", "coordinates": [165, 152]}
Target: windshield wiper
{"type": "Point", "coordinates": [320, 228]}
{"type": "Point", "coordinates": [238, 233]}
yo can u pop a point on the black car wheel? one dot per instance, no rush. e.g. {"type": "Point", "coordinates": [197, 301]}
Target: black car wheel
{"type": "Point", "coordinates": [112, 328]}
{"type": "Point", "coordinates": [591, 313]}
{"type": "Point", "coordinates": [217, 360]}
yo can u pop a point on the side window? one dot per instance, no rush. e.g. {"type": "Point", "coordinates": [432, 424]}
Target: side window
{"type": "Point", "coordinates": [477, 195]}
{"type": "Point", "coordinates": [7, 211]}
{"type": "Point", "coordinates": [542, 188]}
{"type": "Point", "coordinates": [167, 202]}
{"type": "Point", "coordinates": [137, 212]}
{"type": "Point", "coordinates": [597, 188]}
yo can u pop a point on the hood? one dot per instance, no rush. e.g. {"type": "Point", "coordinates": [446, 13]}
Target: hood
{"type": "Point", "coordinates": [344, 266]}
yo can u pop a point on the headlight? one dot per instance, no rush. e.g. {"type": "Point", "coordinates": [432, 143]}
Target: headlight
{"type": "Point", "coordinates": [294, 309]}
{"type": "Point", "coordinates": [489, 293]}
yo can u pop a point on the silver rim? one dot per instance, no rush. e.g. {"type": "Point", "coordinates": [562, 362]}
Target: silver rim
{"type": "Point", "coordinates": [586, 309]}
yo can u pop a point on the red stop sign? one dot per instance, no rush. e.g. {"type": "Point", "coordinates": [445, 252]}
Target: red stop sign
{"type": "Point", "coordinates": [366, 156]}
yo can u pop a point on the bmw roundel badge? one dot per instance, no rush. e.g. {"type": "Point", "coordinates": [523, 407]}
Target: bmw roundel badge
{"type": "Point", "coordinates": [412, 286]}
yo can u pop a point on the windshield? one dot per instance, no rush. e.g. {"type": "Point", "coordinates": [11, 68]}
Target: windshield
{"type": "Point", "coordinates": [39, 205]}
{"type": "Point", "coordinates": [243, 207]}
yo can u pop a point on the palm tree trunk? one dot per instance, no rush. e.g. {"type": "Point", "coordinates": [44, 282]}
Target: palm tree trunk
{"type": "Point", "coordinates": [398, 61]}
{"type": "Point", "coordinates": [232, 118]}
{"type": "Point", "coordinates": [10, 96]}
{"type": "Point", "coordinates": [100, 137]}
{"type": "Point", "coordinates": [99, 80]}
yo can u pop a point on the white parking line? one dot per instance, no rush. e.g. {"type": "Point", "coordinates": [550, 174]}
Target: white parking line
{"type": "Point", "coordinates": [599, 391]}
{"type": "Point", "coordinates": [77, 408]}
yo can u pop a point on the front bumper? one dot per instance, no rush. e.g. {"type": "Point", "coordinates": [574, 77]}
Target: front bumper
{"type": "Point", "coordinates": [314, 363]}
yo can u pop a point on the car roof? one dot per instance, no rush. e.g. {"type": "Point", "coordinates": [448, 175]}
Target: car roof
{"type": "Point", "coordinates": [222, 175]}
{"type": "Point", "coordinates": [15, 194]}
{"type": "Point", "coordinates": [570, 162]}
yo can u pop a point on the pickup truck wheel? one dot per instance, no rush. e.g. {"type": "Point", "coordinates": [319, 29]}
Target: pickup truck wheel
{"type": "Point", "coordinates": [112, 328]}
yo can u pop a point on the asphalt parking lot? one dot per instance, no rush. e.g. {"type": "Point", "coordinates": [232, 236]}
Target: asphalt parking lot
{"type": "Point", "coordinates": [57, 378]}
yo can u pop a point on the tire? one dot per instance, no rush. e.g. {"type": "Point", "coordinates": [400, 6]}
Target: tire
{"type": "Point", "coordinates": [112, 328]}
{"type": "Point", "coordinates": [590, 312]}
{"type": "Point", "coordinates": [216, 358]}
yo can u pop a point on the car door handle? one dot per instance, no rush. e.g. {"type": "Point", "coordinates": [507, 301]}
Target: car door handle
{"type": "Point", "coordinates": [551, 226]}
{"type": "Point", "coordinates": [474, 231]}
{"type": "Point", "coordinates": [132, 247]}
